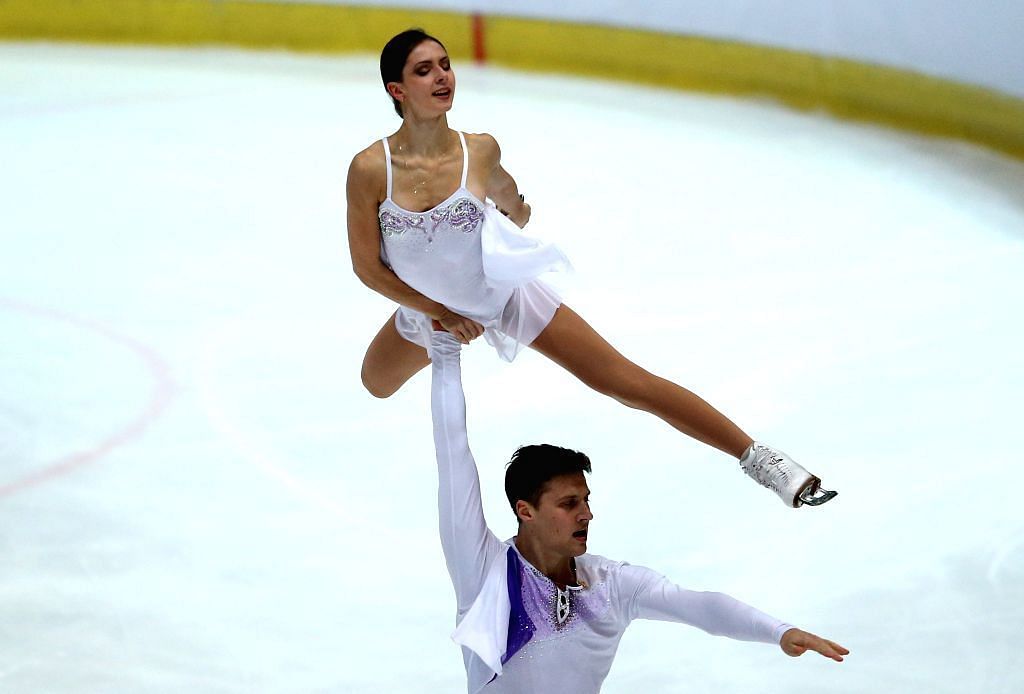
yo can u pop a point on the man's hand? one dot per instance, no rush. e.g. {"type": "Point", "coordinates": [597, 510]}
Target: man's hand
{"type": "Point", "coordinates": [796, 642]}
{"type": "Point", "coordinates": [464, 329]}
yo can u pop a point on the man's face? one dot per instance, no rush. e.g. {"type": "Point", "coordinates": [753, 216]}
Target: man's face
{"type": "Point", "coordinates": [562, 515]}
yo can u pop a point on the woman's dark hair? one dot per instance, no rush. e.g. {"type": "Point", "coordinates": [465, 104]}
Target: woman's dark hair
{"type": "Point", "coordinates": [531, 467]}
{"type": "Point", "coordinates": [396, 52]}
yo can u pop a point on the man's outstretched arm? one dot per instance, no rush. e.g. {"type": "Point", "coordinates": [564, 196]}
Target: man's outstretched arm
{"type": "Point", "coordinates": [655, 597]}
{"type": "Point", "coordinates": [467, 542]}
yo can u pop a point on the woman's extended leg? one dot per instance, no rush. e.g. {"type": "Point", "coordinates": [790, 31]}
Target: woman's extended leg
{"type": "Point", "coordinates": [390, 361]}
{"type": "Point", "coordinates": [569, 341]}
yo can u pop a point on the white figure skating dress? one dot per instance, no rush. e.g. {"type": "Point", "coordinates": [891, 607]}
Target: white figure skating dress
{"type": "Point", "coordinates": [465, 254]}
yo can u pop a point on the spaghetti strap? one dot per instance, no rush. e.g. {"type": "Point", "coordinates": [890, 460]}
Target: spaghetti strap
{"type": "Point", "coordinates": [387, 159]}
{"type": "Point", "coordinates": [465, 159]}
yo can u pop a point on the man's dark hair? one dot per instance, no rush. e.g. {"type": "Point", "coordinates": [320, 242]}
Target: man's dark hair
{"type": "Point", "coordinates": [532, 467]}
{"type": "Point", "coordinates": [395, 53]}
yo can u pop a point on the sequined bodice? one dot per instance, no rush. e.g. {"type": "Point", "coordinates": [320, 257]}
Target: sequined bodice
{"type": "Point", "coordinates": [460, 213]}
{"type": "Point", "coordinates": [438, 252]}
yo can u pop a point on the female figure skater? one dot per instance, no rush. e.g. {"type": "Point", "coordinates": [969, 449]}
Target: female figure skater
{"type": "Point", "coordinates": [444, 257]}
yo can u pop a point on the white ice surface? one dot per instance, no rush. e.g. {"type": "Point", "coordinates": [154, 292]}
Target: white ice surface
{"type": "Point", "coordinates": [196, 495]}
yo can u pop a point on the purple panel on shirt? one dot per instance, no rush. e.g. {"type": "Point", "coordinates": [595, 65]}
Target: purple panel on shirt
{"type": "Point", "coordinates": [532, 600]}
{"type": "Point", "coordinates": [520, 626]}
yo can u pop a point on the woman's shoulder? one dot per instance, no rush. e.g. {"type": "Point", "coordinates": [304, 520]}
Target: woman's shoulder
{"type": "Point", "coordinates": [373, 154]}
{"type": "Point", "coordinates": [368, 164]}
{"type": "Point", "coordinates": [483, 145]}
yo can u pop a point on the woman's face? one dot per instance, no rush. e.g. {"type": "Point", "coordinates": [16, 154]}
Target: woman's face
{"type": "Point", "coordinates": [428, 81]}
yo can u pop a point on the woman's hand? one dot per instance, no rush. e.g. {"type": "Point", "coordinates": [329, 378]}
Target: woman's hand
{"type": "Point", "coordinates": [796, 642]}
{"type": "Point", "coordinates": [521, 216]}
{"type": "Point", "coordinates": [464, 329]}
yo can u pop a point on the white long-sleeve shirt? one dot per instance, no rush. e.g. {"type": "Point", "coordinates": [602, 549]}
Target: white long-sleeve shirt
{"type": "Point", "coordinates": [513, 635]}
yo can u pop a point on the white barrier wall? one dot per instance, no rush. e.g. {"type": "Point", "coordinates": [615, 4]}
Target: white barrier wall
{"type": "Point", "coordinates": [979, 42]}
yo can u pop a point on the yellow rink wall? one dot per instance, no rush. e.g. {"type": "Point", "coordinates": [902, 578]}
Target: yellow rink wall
{"type": "Point", "coordinates": [846, 88]}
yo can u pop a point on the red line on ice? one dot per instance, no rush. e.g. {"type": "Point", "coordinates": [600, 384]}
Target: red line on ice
{"type": "Point", "coordinates": [161, 395]}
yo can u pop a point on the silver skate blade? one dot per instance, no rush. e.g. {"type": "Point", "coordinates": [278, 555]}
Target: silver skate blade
{"type": "Point", "coordinates": [816, 496]}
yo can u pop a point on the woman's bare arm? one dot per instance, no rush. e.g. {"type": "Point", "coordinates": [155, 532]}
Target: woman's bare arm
{"type": "Point", "coordinates": [363, 194]}
{"type": "Point", "coordinates": [501, 187]}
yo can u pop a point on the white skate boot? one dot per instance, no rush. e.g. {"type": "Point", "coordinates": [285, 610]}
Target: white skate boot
{"type": "Point", "coordinates": [777, 471]}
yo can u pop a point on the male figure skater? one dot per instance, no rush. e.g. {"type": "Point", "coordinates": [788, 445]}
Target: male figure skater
{"type": "Point", "coordinates": [537, 613]}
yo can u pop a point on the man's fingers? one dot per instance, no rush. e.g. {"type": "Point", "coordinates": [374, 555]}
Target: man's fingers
{"type": "Point", "coordinates": [842, 649]}
{"type": "Point", "coordinates": [464, 329]}
{"type": "Point", "coordinates": [825, 648]}
{"type": "Point", "coordinates": [830, 652]}
{"type": "Point", "coordinates": [798, 642]}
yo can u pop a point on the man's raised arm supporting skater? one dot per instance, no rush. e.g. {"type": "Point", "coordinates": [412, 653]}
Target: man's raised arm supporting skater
{"type": "Point", "coordinates": [537, 613]}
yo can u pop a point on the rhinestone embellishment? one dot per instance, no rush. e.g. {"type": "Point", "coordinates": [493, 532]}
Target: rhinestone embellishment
{"type": "Point", "coordinates": [392, 224]}
{"type": "Point", "coordinates": [461, 215]}
{"type": "Point", "coordinates": [563, 606]}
